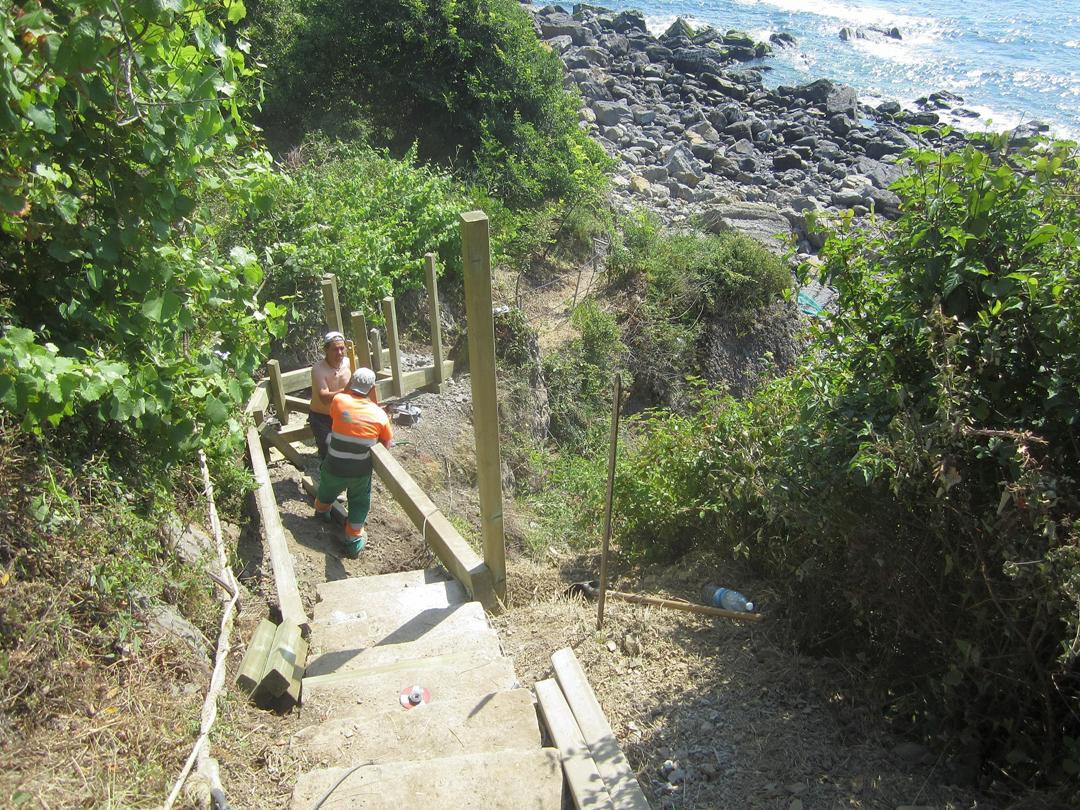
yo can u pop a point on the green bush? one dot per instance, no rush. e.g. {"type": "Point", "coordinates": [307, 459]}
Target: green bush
{"type": "Point", "coordinates": [468, 82]}
{"type": "Point", "coordinates": [683, 279]}
{"type": "Point", "coordinates": [350, 210]}
{"type": "Point", "coordinates": [913, 488]}
{"type": "Point", "coordinates": [119, 123]}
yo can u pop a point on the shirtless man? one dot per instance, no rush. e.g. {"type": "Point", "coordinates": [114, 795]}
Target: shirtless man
{"type": "Point", "coordinates": [329, 376]}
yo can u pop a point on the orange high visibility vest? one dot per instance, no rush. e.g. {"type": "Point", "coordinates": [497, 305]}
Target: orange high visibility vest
{"type": "Point", "coordinates": [357, 424]}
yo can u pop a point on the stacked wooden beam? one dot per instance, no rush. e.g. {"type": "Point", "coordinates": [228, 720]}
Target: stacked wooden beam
{"type": "Point", "coordinates": [596, 771]}
{"type": "Point", "coordinates": [273, 666]}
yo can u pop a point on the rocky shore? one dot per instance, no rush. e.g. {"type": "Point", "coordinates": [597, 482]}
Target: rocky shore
{"type": "Point", "coordinates": [696, 132]}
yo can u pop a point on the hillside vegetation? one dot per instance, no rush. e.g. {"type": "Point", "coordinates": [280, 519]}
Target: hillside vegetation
{"type": "Point", "coordinates": [910, 485]}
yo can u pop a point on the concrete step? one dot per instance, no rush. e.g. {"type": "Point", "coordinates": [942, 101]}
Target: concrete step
{"type": "Point", "coordinates": [355, 597]}
{"type": "Point", "coordinates": [500, 721]}
{"type": "Point", "coordinates": [349, 631]}
{"type": "Point", "coordinates": [386, 582]}
{"type": "Point", "coordinates": [461, 676]}
{"type": "Point", "coordinates": [504, 780]}
{"type": "Point", "coordinates": [483, 641]}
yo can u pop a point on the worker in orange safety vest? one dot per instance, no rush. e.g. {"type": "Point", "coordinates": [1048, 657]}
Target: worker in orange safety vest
{"type": "Point", "coordinates": [357, 424]}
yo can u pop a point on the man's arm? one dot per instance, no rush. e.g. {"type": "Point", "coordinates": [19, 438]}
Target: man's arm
{"type": "Point", "coordinates": [320, 384]}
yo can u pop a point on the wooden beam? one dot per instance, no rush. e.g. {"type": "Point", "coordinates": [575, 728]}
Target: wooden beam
{"type": "Point", "coordinates": [297, 433]}
{"type": "Point", "coordinates": [296, 380]}
{"type": "Point", "coordinates": [331, 307]}
{"type": "Point", "coordinates": [280, 663]}
{"type": "Point", "coordinates": [476, 257]}
{"type": "Point", "coordinates": [277, 392]}
{"type": "Point", "coordinates": [254, 663]}
{"type": "Point", "coordinates": [292, 609]}
{"type": "Point", "coordinates": [259, 402]}
{"type": "Point", "coordinates": [610, 761]}
{"type": "Point", "coordinates": [586, 785]}
{"type": "Point", "coordinates": [390, 315]}
{"type": "Point", "coordinates": [273, 438]}
{"type": "Point", "coordinates": [449, 546]}
{"type": "Point", "coordinates": [376, 350]}
{"type": "Point", "coordinates": [431, 277]}
{"type": "Point", "coordinates": [298, 404]}
{"type": "Point", "coordinates": [360, 339]}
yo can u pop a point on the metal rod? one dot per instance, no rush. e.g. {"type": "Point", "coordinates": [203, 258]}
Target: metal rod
{"type": "Point", "coordinates": [615, 401]}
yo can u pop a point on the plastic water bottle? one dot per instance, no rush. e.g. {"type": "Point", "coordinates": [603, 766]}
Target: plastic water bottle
{"type": "Point", "coordinates": [727, 599]}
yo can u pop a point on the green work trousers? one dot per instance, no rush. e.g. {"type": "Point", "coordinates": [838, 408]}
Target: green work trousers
{"type": "Point", "coordinates": [357, 490]}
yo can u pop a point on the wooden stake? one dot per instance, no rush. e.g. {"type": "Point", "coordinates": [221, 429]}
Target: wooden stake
{"type": "Point", "coordinates": [476, 256]}
{"type": "Point", "coordinates": [376, 350]}
{"type": "Point", "coordinates": [390, 315]}
{"type": "Point", "coordinates": [616, 400]}
{"type": "Point", "coordinates": [280, 663]}
{"type": "Point", "coordinates": [360, 338]}
{"type": "Point", "coordinates": [433, 314]}
{"type": "Point", "coordinates": [331, 307]}
{"type": "Point", "coordinates": [351, 348]}
{"type": "Point", "coordinates": [277, 392]}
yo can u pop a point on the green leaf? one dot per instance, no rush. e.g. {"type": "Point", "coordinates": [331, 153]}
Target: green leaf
{"type": "Point", "coordinates": [43, 118]}
{"type": "Point", "coordinates": [236, 10]}
{"type": "Point", "coordinates": [216, 411]}
{"type": "Point", "coordinates": [162, 308]}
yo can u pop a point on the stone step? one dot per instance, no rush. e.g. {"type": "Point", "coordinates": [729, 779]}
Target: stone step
{"type": "Point", "coordinates": [503, 780]}
{"type": "Point", "coordinates": [350, 631]}
{"type": "Point", "coordinates": [495, 722]}
{"type": "Point", "coordinates": [355, 597]}
{"type": "Point", "coordinates": [483, 642]}
{"type": "Point", "coordinates": [387, 582]}
{"type": "Point", "coordinates": [463, 675]}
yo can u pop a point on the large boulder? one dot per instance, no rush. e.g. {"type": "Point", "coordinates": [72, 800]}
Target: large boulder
{"type": "Point", "coordinates": [610, 113]}
{"type": "Point", "coordinates": [757, 220]}
{"type": "Point", "coordinates": [826, 95]}
{"type": "Point", "coordinates": [683, 167]}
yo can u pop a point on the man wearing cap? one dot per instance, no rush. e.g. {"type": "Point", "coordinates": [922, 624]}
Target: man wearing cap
{"type": "Point", "coordinates": [357, 423]}
{"type": "Point", "coordinates": [328, 376]}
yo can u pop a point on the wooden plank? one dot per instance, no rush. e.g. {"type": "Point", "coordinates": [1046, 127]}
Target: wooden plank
{"type": "Point", "coordinates": [277, 392]}
{"type": "Point", "coordinates": [331, 307]}
{"type": "Point", "coordinates": [273, 438]}
{"type": "Point", "coordinates": [295, 434]}
{"type": "Point", "coordinates": [586, 785]}
{"type": "Point", "coordinates": [360, 339]}
{"type": "Point", "coordinates": [254, 662]}
{"type": "Point", "coordinates": [431, 278]}
{"type": "Point", "coordinates": [296, 380]}
{"type": "Point", "coordinates": [449, 546]}
{"type": "Point", "coordinates": [394, 345]}
{"type": "Point", "coordinates": [476, 258]}
{"type": "Point", "coordinates": [292, 609]}
{"type": "Point", "coordinates": [610, 761]}
{"type": "Point", "coordinates": [411, 380]}
{"type": "Point", "coordinates": [298, 404]}
{"type": "Point", "coordinates": [259, 398]}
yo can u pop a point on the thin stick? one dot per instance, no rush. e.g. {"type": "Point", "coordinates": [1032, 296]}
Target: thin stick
{"type": "Point", "coordinates": [615, 401]}
{"type": "Point", "coordinates": [689, 607]}
{"type": "Point", "coordinates": [199, 752]}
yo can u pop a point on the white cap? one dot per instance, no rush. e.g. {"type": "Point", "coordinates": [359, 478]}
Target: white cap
{"type": "Point", "coordinates": [362, 380]}
{"type": "Point", "coordinates": [330, 337]}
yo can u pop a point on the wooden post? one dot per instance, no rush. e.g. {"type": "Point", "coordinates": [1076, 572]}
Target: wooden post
{"type": "Point", "coordinates": [476, 256]}
{"type": "Point", "coordinates": [616, 399]}
{"type": "Point", "coordinates": [277, 392]}
{"type": "Point", "coordinates": [376, 350]}
{"type": "Point", "coordinates": [331, 307]}
{"type": "Point", "coordinates": [254, 663]}
{"type": "Point", "coordinates": [360, 338]}
{"type": "Point", "coordinates": [390, 315]}
{"type": "Point", "coordinates": [433, 313]}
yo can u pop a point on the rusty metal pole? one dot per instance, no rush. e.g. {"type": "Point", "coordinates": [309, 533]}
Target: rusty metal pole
{"type": "Point", "coordinates": [615, 401]}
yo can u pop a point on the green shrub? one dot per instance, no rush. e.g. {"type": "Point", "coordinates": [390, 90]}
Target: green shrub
{"type": "Point", "coordinates": [350, 210]}
{"type": "Point", "coordinates": [468, 82]}
{"type": "Point", "coordinates": [913, 487]}
{"type": "Point", "coordinates": [685, 278]}
{"type": "Point", "coordinates": [113, 303]}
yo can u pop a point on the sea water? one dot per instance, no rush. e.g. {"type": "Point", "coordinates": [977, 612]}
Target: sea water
{"type": "Point", "coordinates": [1011, 61]}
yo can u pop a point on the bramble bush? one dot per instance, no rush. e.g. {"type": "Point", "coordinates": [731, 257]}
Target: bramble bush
{"type": "Point", "coordinates": [467, 82]}
{"type": "Point", "coordinates": [913, 488]}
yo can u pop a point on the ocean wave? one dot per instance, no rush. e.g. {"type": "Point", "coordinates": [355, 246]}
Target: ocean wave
{"type": "Point", "coordinates": [857, 15]}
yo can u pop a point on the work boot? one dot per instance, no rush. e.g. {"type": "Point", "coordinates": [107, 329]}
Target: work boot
{"type": "Point", "coordinates": [353, 546]}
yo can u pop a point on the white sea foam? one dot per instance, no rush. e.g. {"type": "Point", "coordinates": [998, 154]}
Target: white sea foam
{"type": "Point", "coordinates": [856, 15]}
